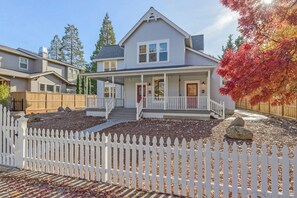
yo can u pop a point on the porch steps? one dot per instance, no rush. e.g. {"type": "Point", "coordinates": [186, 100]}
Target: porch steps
{"type": "Point", "coordinates": [123, 114]}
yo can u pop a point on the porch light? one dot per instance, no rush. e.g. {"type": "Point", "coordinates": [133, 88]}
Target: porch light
{"type": "Point", "coordinates": [149, 87]}
{"type": "Point", "coordinates": [107, 82]}
{"type": "Point", "coordinates": [203, 83]}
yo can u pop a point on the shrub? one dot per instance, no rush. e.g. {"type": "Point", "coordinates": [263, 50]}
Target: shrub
{"type": "Point", "coordinates": [4, 94]}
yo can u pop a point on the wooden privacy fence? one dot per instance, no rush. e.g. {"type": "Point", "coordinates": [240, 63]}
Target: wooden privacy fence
{"type": "Point", "coordinates": [265, 107]}
{"type": "Point", "coordinates": [187, 169]}
{"type": "Point", "coordinates": [37, 102]}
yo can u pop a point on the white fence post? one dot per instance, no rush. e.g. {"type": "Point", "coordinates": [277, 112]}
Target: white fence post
{"type": "Point", "coordinates": [20, 145]}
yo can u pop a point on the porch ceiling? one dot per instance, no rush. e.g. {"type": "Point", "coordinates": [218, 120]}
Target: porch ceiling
{"type": "Point", "coordinates": [120, 74]}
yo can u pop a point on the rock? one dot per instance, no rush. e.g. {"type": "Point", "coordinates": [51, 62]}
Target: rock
{"type": "Point", "coordinates": [67, 109]}
{"type": "Point", "coordinates": [238, 132]}
{"type": "Point", "coordinates": [237, 122]}
{"type": "Point", "coordinates": [34, 118]}
{"type": "Point", "coordinates": [61, 109]}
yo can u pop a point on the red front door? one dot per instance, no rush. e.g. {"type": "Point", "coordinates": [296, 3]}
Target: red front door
{"type": "Point", "coordinates": [139, 92]}
{"type": "Point", "coordinates": [192, 95]}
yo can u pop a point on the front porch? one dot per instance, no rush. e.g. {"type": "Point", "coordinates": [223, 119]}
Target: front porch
{"type": "Point", "coordinates": [175, 92]}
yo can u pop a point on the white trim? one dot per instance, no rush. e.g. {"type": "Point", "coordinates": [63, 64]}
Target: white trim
{"type": "Point", "coordinates": [198, 94]}
{"type": "Point", "coordinates": [108, 59]}
{"type": "Point", "coordinates": [45, 87]}
{"type": "Point", "coordinates": [20, 63]}
{"type": "Point", "coordinates": [56, 88]}
{"type": "Point", "coordinates": [157, 42]}
{"type": "Point", "coordinates": [136, 84]}
{"type": "Point", "coordinates": [157, 15]}
{"type": "Point", "coordinates": [203, 54]}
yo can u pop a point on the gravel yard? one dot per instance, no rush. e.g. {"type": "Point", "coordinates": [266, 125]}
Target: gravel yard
{"type": "Point", "coordinates": [75, 120]}
{"type": "Point", "coordinates": [269, 131]}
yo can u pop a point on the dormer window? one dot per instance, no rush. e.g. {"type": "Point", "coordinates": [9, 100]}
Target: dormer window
{"type": "Point", "coordinates": [23, 63]}
{"type": "Point", "coordinates": [109, 65]}
{"type": "Point", "coordinates": [153, 51]}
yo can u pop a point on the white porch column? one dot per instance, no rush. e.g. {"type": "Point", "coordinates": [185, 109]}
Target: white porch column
{"type": "Point", "coordinates": [112, 91]}
{"type": "Point", "coordinates": [208, 90]}
{"type": "Point", "coordinates": [165, 91]}
{"type": "Point", "coordinates": [142, 87]}
{"type": "Point", "coordinates": [87, 90]}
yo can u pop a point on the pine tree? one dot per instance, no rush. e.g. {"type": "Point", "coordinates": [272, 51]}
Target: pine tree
{"type": "Point", "coordinates": [78, 84]}
{"type": "Point", "coordinates": [55, 50]}
{"type": "Point", "coordinates": [239, 41]}
{"type": "Point", "coordinates": [72, 47]}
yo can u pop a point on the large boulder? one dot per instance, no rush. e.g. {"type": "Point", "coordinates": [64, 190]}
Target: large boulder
{"type": "Point", "coordinates": [238, 132]}
{"type": "Point", "coordinates": [34, 118]}
{"type": "Point", "coordinates": [237, 122]}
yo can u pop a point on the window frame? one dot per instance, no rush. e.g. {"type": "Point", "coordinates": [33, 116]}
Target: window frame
{"type": "Point", "coordinates": [148, 43]}
{"type": "Point", "coordinates": [109, 62]}
{"type": "Point", "coordinates": [27, 60]}
{"type": "Point", "coordinates": [109, 87]}
{"type": "Point", "coordinates": [47, 84]}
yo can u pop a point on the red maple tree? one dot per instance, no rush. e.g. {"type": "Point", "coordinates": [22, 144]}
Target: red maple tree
{"type": "Point", "coordinates": [265, 66]}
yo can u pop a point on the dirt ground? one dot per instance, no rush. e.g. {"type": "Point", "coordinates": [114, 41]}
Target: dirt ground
{"type": "Point", "coordinates": [75, 120]}
{"type": "Point", "coordinates": [269, 131]}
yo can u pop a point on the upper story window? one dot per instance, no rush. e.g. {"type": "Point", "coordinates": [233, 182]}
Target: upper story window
{"type": "Point", "coordinates": [153, 51]}
{"type": "Point", "coordinates": [72, 73]}
{"type": "Point", "coordinates": [23, 63]}
{"type": "Point", "coordinates": [110, 65]}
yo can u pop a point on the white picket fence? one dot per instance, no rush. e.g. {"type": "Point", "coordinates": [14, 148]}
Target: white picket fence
{"type": "Point", "coordinates": [182, 168]}
{"type": "Point", "coordinates": [8, 129]}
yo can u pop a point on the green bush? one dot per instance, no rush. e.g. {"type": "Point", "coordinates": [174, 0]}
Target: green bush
{"type": "Point", "coordinates": [4, 94]}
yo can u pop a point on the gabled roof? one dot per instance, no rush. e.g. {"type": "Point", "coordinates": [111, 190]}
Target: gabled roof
{"type": "Point", "coordinates": [153, 14]}
{"type": "Point", "coordinates": [109, 52]}
{"type": "Point", "coordinates": [35, 75]}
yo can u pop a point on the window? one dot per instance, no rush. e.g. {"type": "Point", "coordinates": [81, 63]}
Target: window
{"type": "Point", "coordinates": [58, 89]}
{"type": "Point", "coordinates": [142, 53]}
{"type": "Point", "coordinates": [222, 81]}
{"type": "Point", "coordinates": [163, 54]}
{"type": "Point", "coordinates": [23, 63]}
{"type": "Point", "coordinates": [50, 88]}
{"type": "Point", "coordinates": [109, 65]}
{"type": "Point", "coordinates": [108, 90]}
{"type": "Point", "coordinates": [155, 51]}
{"type": "Point", "coordinates": [41, 87]}
{"type": "Point", "coordinates": [158, 85]}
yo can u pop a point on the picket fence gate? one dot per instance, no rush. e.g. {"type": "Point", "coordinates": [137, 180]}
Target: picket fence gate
{"type": "Point", "coordinates": [182, 168]}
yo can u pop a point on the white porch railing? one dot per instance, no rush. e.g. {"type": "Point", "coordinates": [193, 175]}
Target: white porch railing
{"type": "Point", "coordinates": [99, 102]}
{"type": "Point", "coordinates": [218, 108]}
{"type": "Point", "coordinates": [176, 103]}
{"type": "Point", "coordinates": [109, 106]}
{"type": "Point", "coordinates": [139, 108]}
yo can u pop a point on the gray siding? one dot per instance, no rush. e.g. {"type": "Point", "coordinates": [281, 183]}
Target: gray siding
{"type": "Point", "coordinates": [11, 61]}
{"type": "Point", "coordinates": [155, 30]}
{"type": "Point", "coordinates": [59, 69]}
{"type": "Point", "coordinates": [48, 79]}
{"type": "Point", "coordinates": [19, 84]}
{"type": "Point", "coordinates": [196, 59]}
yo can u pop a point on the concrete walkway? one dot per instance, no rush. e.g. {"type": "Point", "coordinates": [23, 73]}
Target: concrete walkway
{"type": "Point", "coordinates": [248, 115]}
{"type": "Point", "coordinates": [107, 124]}
{"type": "Point", "coordinates": [24, 183]}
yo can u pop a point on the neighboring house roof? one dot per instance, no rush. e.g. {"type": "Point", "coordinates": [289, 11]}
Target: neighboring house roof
{"type": "Point", "coordinates": [198, 42]}
{"type": "Point", "coordinates": [15, 51]}
{"type": "Point", "coordinates": [111, 51]}
{"type": "Point", "coordinates": [153, 14]}
{"type": "Point", "coordinates": [48, 59]}
{"type": "Point", "coordinates": [13, 73]}
{"type": "Point", "coordinates": [3, 78]}
{"type": "Point", "coordinates": [35, 75]}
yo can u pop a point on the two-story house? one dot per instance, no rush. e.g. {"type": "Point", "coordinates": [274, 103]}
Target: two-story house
{"type": "Point", "coordinates": [24, 70]}
{"type": "Point", "coordinates": [158, 70]}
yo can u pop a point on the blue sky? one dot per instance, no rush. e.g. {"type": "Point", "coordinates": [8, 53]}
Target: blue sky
{"type": "Point", "coordinates": [31, 24]}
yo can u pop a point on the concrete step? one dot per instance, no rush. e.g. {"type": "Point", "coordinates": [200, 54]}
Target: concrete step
{"type": "Point", "coordinates": [123, 113]}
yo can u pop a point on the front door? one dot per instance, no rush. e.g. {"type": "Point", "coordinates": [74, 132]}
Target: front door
{"type": "Point", "coordinates": [139, 92]}
{"type": "Point", "coordinates": [192, 95]}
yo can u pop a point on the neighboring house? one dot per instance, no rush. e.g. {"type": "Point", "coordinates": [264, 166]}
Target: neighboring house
{"type": "Point", "coordinates": [161, 70]}
{"type": "Point", "coordinates": [24, 70]}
